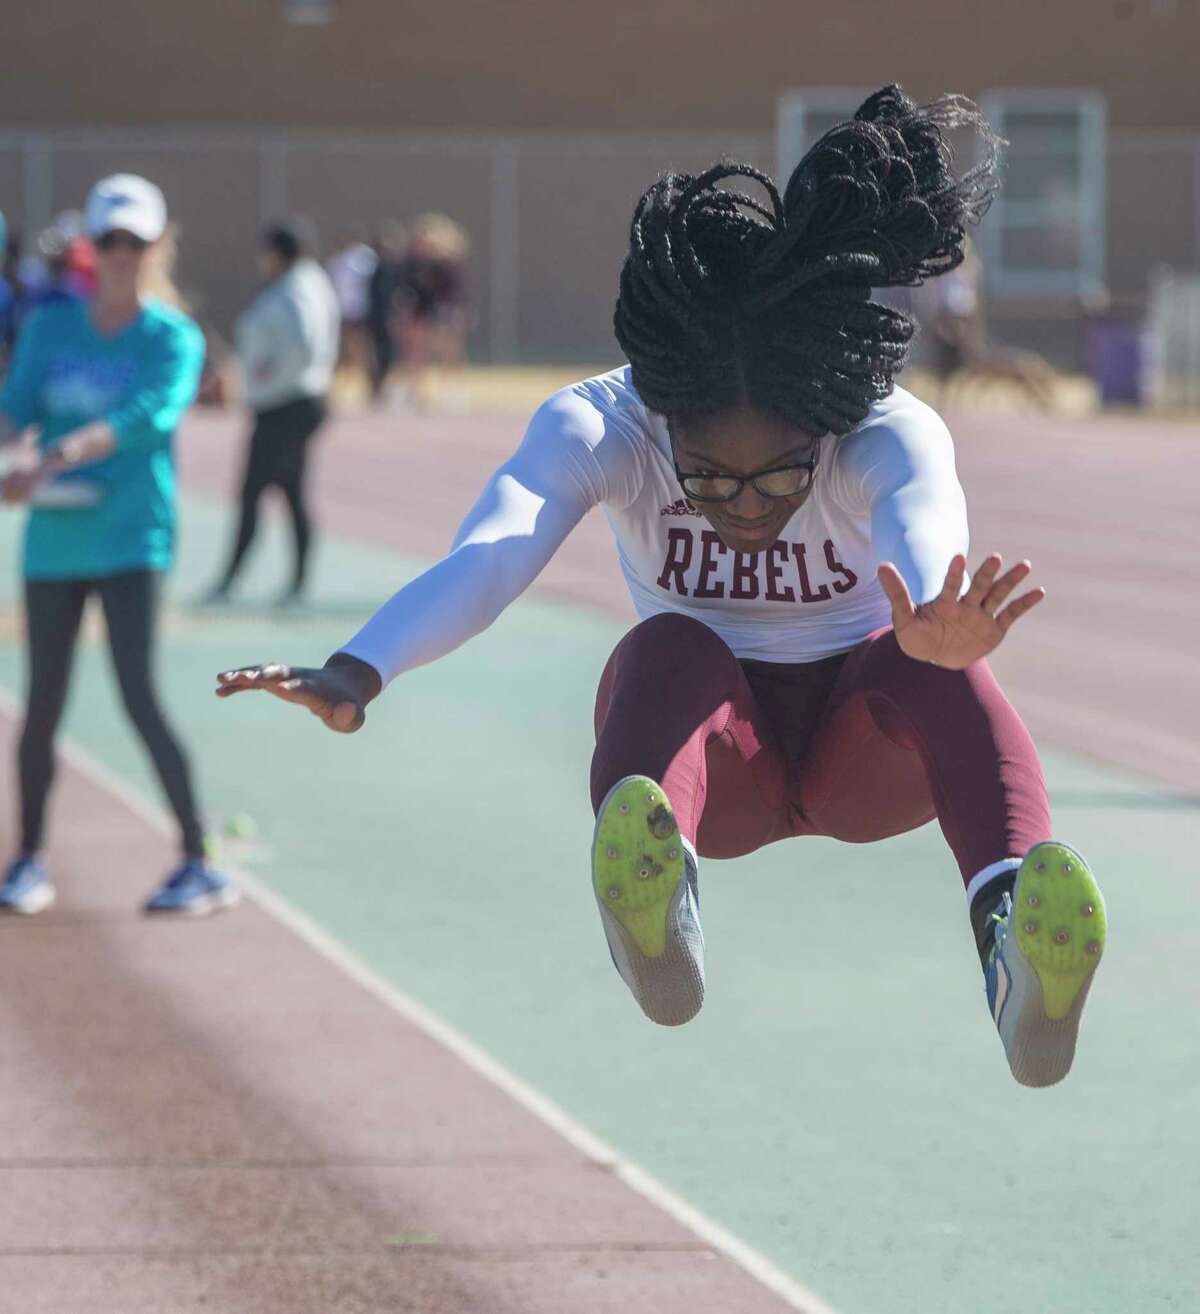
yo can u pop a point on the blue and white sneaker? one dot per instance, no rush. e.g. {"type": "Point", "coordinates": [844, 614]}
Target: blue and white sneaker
{"type": "Point", "coordinates": [26, 888]}
{"type": "Point", "coordinates": [192, 890]}
{"type": "Point", "coordinates": [1050, 934]}
{"type": "Point", "coordinates": [644, 876]}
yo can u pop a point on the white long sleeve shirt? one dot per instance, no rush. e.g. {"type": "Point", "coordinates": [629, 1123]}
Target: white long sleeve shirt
{"type": "Point", "coordinates": [287, 338]}
{"type": "Point", "coordinates": [887, 491]}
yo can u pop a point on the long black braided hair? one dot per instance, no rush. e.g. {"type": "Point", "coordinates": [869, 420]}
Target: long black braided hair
{"type": "Point", "coordinates": [726, 298]}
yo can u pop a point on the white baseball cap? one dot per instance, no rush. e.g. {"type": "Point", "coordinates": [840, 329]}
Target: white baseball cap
{"type": "Point", "coordinates": [128, 202]}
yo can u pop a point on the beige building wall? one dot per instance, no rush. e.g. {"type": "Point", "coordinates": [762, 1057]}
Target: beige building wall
{"type": "Point", "coordinates": [567, 66]}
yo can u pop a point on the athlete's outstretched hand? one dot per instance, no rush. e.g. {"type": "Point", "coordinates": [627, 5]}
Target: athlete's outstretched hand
{"type": "Point", "coordinates": [337, 693]}
{"type": "Point", "coordinates": [954, 630]}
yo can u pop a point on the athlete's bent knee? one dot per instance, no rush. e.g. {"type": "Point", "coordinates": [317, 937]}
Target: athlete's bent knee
{"type": "Point", "coordinates": [671, 638]}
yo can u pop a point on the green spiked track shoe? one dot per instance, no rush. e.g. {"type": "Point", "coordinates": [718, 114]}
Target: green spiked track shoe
{"type": "Point", "coordinates": [1049, 938]}
{"type": "Point", "coordinates": [644, 875]}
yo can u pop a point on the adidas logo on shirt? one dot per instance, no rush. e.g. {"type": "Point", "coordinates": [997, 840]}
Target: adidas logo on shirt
{"type": "Point", "coordinates": [680, 508]}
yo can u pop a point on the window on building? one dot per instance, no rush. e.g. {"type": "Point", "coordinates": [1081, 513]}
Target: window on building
{"type": "Point", "coordinates": [1044, 237]}
{"type": "Point", "coordinates": [805, 117]}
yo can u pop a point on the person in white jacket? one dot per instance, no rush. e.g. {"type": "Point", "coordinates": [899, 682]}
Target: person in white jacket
{"type": "Point", "coordinates": [287, 343]}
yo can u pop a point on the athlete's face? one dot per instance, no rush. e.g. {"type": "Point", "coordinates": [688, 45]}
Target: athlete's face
{"type": "Point", "coordinates": [743, 441]}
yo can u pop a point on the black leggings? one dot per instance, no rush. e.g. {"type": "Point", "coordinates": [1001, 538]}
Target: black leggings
{"type": "Point", "coordinates": [54, 610]}
{"type": "Point", "coordinates": [278, 456]}
{"type": "Point", "coordinates": [383, 358]}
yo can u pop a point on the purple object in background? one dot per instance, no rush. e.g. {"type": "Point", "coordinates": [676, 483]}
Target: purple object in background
{"type": "Point", "coordinates": [1122, 358]}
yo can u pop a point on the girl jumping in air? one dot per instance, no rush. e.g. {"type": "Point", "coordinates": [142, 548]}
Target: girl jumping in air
{"type": "Point", "coordinates": [810, 658]}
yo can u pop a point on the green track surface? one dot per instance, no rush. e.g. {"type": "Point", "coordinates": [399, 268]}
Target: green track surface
{"type": "Point", "coordinates": [843, 1102]}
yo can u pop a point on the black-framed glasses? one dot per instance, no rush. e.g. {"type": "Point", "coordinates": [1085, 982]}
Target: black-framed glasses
{"type": "Point", "coordinates": [781, 481]}
{"type": "Point", "coordinates": [111, 241]}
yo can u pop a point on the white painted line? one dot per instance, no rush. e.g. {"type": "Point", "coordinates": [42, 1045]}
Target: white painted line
{"type": "Point", "coordinates": [592, 1147]}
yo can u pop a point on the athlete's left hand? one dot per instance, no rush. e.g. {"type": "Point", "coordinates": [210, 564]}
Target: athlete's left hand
{"type": "Point", "coordinates": [953, 630]}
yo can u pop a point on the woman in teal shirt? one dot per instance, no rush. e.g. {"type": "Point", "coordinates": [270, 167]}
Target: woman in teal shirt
{"type": "Point", "coordinates": [105, 384]}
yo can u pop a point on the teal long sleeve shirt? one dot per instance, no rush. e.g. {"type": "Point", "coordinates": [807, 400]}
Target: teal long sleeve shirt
{"type": "Point", "coordinates": [139, 381]}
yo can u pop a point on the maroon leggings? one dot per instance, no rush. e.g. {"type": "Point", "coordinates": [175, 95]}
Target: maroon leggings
{"type": "Point", "coordinates": [857, 747]}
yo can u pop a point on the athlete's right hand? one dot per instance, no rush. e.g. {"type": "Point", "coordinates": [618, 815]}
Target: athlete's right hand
{"type": "Point", "coordinates": [337, 693]}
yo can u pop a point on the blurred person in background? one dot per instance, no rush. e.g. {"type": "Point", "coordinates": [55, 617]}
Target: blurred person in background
{"type": "Point", "coordinates": [12, 289]}
{"type": "Point", "coordinates": [962, 349]}
{"type": "Point", "coordinates": [63, 254]}
{"type": "Point", "coordinates": [385, 295]}
{"type": "Point", "coordinates": [434, 319]}
{"type": "Point", "coordinates": [8, 298]}
{"type": "Point", "coordinates": [350, 269]}
{"type": "Point", "coordinates": [105, 383]}
{"type": "Point", "coordinates": [64, 271]}
{"type": "Point", "coordinates": [81, 265]}
{"type": "Point", "coordinates": [287, 344]}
